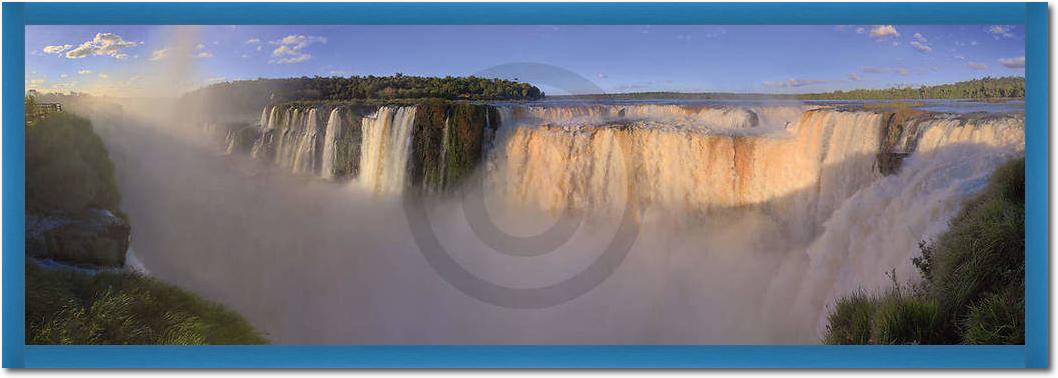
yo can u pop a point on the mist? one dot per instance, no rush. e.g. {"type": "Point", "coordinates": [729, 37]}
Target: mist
{"type": "Point", "coordinates": [309, 260]}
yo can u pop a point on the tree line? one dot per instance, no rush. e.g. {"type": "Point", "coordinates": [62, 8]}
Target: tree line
{"type": "Point", "coordinates": [398, 86]}
{"type": "Point", "coordinates": [988, 87]}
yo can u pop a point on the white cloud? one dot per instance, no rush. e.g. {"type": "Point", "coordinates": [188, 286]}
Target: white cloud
{"type": "Point", "coordinates": [884, 31]}
{"type": "Point", "coordinates": [104, 76]}
{"type": "Point", "coordinates": [291, 49]}
{"type": "Point", "coordinates": [63, 76]}
{"type": "Point", "coordinates": [37, 81]}
{"type": "Point", "coordinates": [854, 77]}
{"type": "Point", "coordinates": [56, 49]}
{"type": "Point", "coordinates": [793, 83]}
{"type": "Point", "coordinates": [903, 71]}
{"type": "Point", "coordinates": [216, 79]}
{"type": "Point", "coordinates": [84, 72]}
{"type": "Point", "coordinates": [977, 66]}
{"type": "Point", "coordinates": [160, 54]}
{"type": "Point", "coordinates": [1001, 31]}
{"type": "Point", "coordinates": [921, 46]}
{"type": "Point", "coordinates": [600, 75]}
{"type": "Point", "coordinates": [104, 44]}
{"type": "Point", "coordinates": [1013, 63]}
{"type": "Point", "coordinates": [204, 54]}
{"type": "Point", "coordinates": [244, 56]}
{"type": "Point", "coordinates": [253, 41]}
{"type": "Point", "coordinates": [200, 46]}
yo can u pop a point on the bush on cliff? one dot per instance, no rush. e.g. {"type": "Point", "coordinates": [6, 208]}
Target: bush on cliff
{"type": "Point", "coordinates": [68, 168]}
{"type": "Point", "coordinates": [973, 280]}
{"type": "Point", "coordinates": [65, 306]}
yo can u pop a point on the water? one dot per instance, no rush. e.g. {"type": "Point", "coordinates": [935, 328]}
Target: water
{"type": "Point", "coordinates": [745, 237]}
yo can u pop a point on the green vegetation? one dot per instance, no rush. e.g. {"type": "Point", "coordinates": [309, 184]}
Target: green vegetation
{"type": "Point", "coordinates": [68, 168]}
{"type": "Point", "coordinates": [985, 88]}
{"type": "Point", "coordinates": [71, 307]}
{"type": "Point", "coordinates": [248, 96]}
{"type": "Point", "coordinates": [973, 280]}
{"type": "Point", "coordinates": [988, 87]}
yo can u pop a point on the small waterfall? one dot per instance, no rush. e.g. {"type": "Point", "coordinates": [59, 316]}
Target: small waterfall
{"type": "Point", "coordinates": [232, 142]}
{"type": "Point", "coordinates": [305, 152]}
{"type": "Point", "coordinates": [385, 148]}
{"type": "Point", "coordinates": [297, 142]}
{"type": "Point", "coordinates": [262, 147]}
{"type": "Point", "coordinates": [265, 112]}
{"type": "Point", "coordinates": [330, 139]}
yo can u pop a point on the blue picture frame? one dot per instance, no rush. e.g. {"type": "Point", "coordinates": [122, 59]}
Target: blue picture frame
{"type": "Point", "coordinates": [1034, 354]}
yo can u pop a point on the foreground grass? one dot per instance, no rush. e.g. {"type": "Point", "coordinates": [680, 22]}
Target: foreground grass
{"type": "Point", "coordinates": [71, 307]}
{"type": "Point", "coordinates": [973, 287]}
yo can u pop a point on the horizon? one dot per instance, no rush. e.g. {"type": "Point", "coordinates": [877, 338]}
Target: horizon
{"type": "Point", "coordinates": [168, 60]}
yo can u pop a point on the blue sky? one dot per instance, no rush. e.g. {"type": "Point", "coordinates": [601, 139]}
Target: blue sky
{"type": "Point", "coordinates": [132, 60]}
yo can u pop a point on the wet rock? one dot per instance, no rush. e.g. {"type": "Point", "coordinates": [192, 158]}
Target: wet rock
{"type": "Point", "coordinates": [94, 237]}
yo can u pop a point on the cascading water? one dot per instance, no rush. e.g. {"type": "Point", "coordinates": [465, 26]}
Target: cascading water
{"type": "Point", "coordinates": [334, 126]}
{"type": "Point", "coordinates": [385, 149]}
{"type": "Point", "coordinates": [753, 218]}
{"type": "Point", "coordinates": [697, 169]}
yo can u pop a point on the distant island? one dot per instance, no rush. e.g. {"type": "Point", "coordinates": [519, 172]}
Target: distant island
{"type": "Point", "coordinates": [984, 88]}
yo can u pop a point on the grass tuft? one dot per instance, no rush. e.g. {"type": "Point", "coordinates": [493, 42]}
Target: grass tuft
{"type": "Point", "coordinates": [70, 307]}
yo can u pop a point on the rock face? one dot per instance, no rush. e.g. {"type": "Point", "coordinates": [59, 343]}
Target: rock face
{"type": "Point", "coordinates": [449, 142]}
{"type": "Point", "coordinates": [899, 132]}
{"type": "Point", "coordinates": [94, 237]}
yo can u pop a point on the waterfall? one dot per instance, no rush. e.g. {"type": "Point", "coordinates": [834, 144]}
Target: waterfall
{"type": "Point", "coordinates": [752, 220]}
{"type": "Point", "coordinates": [824, 159]}
{"type": "Point", "coordinates": [385, 149]}
{"type": "Point", "coordinates": [305, 152]}
{"type": "Point", "coordinates": [334, 126]}
{"type": "Point", "coordinates": [263, 123]}
{"type": "Point", "coordinates": [262, 147]}
{"type": "Point", "coordinates": [878, 228]}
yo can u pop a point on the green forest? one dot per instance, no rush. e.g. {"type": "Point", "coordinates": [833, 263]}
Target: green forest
{"type": "Point", "coordinates": [988, 87]}
{"type": "Point", "coordinates": [376, 87]}
{"type": "Point", "coordinates": [984, 88]}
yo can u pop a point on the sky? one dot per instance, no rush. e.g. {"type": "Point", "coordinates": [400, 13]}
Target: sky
{"type": "Point", "coordinates": [161, 60]}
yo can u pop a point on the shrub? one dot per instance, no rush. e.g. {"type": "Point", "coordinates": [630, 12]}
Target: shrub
{"type": "Point", "coordinates": [996, 319]}
{"type": "Point", "coordinates": [73, 307]}
{"type": "Point", "coordinates": [902, 319]}
{"type": "Point", "coordinates": [68, 168]}
{"type": "Point", "coordinates": [850, 322]}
